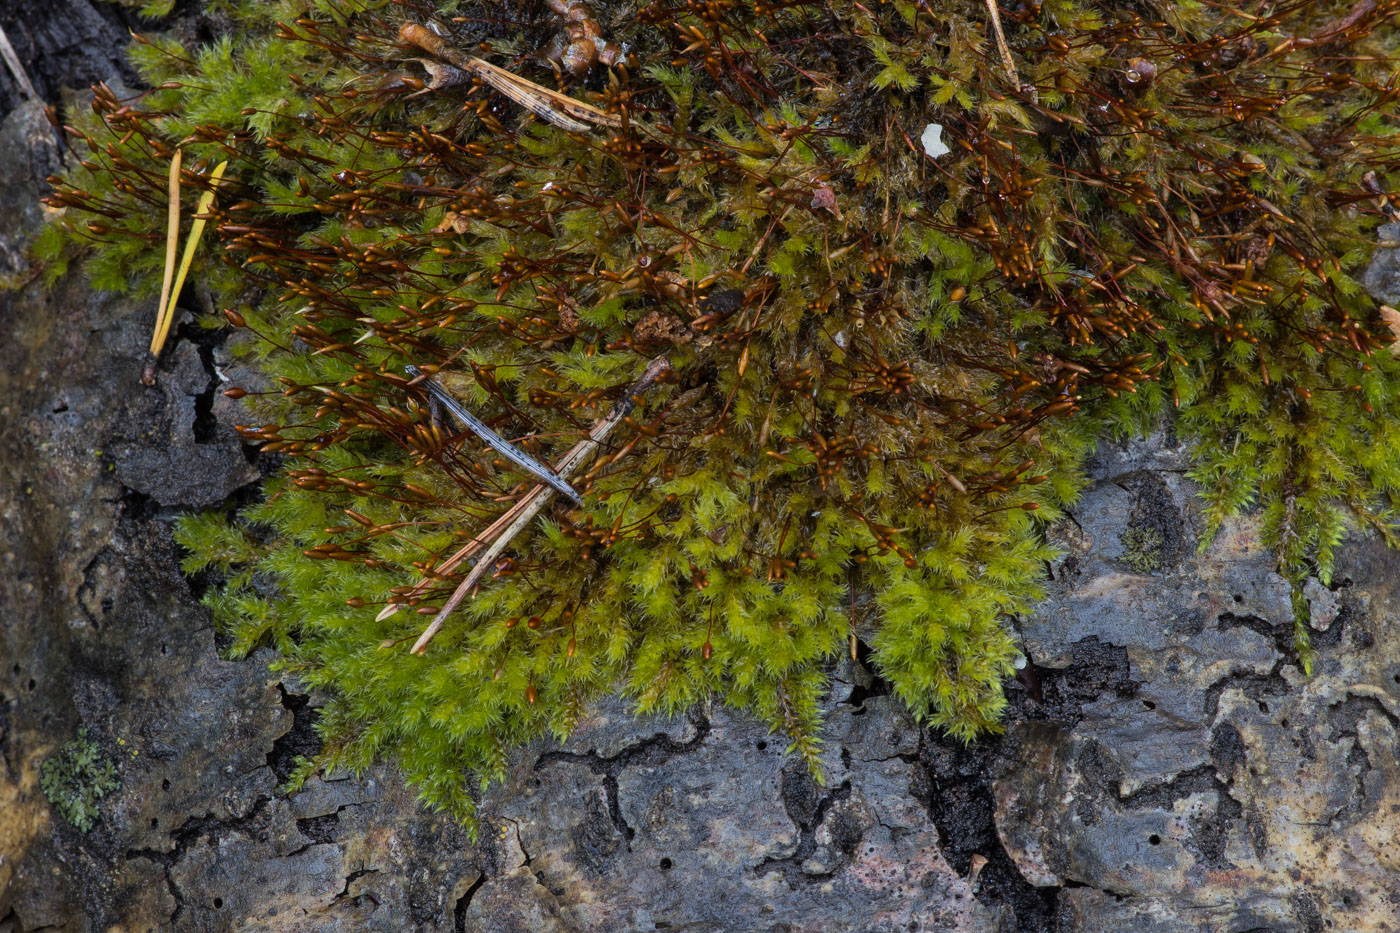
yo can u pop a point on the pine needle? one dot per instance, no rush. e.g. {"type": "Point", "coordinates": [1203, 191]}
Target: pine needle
{"type": "Point", "coordinates": [538, 498]}
{"type": "Point", "coordinates": [172, 237]}
{"type": "Point", "coordinates": [170, 292]}
{"type": "Point", "coordinates": [1002, 48]}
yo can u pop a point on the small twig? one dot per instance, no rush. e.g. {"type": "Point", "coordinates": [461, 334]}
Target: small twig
{"type": "Point", "coordinates": [7, 52]}
{"type": "Point", "coordinates": [758, 247]}
{"type": "Point", "coordinates": [499, 444]}
{"type": "Point", "coordinates": [538, 498]}
{"type": "Point", "coordinates": [560, 109]}
{"type": "Point", "coordinates": [565, 467]}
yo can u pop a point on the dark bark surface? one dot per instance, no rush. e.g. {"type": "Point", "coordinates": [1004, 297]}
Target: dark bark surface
{"type": "Point", "coordinates": [69, 44]}
{"type": "Point", "coordinates": [1166, 767]}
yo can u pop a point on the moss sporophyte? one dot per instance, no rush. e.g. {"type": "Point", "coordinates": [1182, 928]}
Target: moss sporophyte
{"type": "Point", "coordinates": [885, 362]}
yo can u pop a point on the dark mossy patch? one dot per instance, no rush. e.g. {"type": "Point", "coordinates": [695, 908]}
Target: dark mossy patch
{"type": "Point", "coordinates": [1155, 538]}
{"type": "Point", "coordinates": [1142, 549]}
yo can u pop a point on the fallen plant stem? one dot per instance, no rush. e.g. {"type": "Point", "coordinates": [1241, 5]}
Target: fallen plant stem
{"type": "Point", "coordinates": [539, 497]}
{"type": "Point", "coordinates": [505, 448]}
{"type": "Point", "coordinates": [480, 541]}
{"type": "Point", "coordinates": [1002, 48]}
{"type": "Point", "coordinates": [12, 62]}
{"type": "Point", "coordinates": [559, 109]}
{"type": "Point", "coordinates": [564, 468]}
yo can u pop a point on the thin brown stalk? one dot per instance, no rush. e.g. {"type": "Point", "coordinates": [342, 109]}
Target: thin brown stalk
{"type": "Point", "coordinates": [470, 548]}
{"type": "Point", "coordinates": [565, 467]}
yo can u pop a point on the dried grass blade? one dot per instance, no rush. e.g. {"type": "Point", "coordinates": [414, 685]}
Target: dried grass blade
{"type": "Point", "coordinates": [559, 109]}
{"type": "Point", "coordinates": [467, 550]}
{"type": "Point", "coordinates": [1005, 50]}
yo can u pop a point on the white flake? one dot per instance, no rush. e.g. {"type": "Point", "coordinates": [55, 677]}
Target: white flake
{"type": "Point", "coordinates": [933, 141]}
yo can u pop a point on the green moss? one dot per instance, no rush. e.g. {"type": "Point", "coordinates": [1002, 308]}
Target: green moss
{"type": "Point", "coordinates": [75, 778]}
{"type": "Point", "coordinates": [1142, 548]}
{"type": "Point", "coordinates": [887, 368]}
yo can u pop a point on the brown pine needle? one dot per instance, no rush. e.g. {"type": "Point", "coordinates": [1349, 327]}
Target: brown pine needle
{"type": "Point", "coordinates": [471, 547]}
{"type": "Point", "coordinates": [559, 109]}
{"type": "Point", "coordinates": [541, 496]}
{"type": "Point", "coordinates": [1005, 50]}
{"type": "Point", "coordinates": [564, 467]}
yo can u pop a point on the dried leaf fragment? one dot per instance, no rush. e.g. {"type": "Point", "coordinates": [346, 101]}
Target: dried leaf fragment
{"type": "Point", "coordinates": [1392, 320]}
{"type": "Point", "coordinates": [658, 327]}
{"type": "Point", "coordinates": [825, 199]}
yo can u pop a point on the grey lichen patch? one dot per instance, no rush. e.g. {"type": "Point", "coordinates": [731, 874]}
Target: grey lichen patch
{"type": "Point", "coordinates": [76, 778]}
